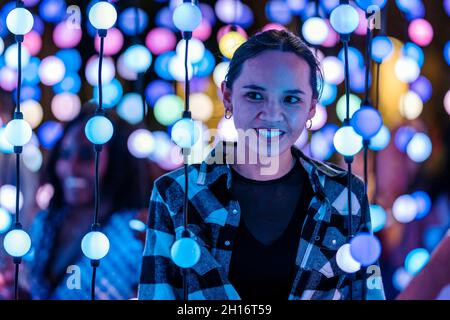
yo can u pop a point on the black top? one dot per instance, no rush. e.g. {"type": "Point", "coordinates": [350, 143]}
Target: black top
{"type": "Point", "coordinates": [262, 264]}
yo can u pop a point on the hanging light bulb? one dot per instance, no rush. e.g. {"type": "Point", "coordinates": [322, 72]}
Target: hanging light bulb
{"type": "Point", "coordinates": [17, 243]}
{"type": "Point", "coordinates": [366, 121]}
{"type": "Point", "coordinates": [103, 15]}
{"type": "Point", "coordinates": [95, 245]}
{"type": "Point", "coordinates": [347, 142]}
{"type": "Point", "coordinates": [344, 19]}
{"type": "Point", "coordinates": [185, 133]}
{"type": "Point", "coordinates": [345, 261]}
{"type": "Point", "coordinates": [18, 132]}
{"type": "Point", "coordinates": [187, 17]}
{"type": "Point", "coordinates": [185, 252]}
{"type": "Point", "coordinates": [99, 129]}
{"type": "Point", "coordinates": [19, 21]}
{"type": "Point", "coordinates": [315, 30]}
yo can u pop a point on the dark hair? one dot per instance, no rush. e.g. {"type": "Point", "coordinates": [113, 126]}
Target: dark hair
{"type": "Point", "coordinates": [275, 40]}
{"type": "Point", "coordinates": [126, 182]}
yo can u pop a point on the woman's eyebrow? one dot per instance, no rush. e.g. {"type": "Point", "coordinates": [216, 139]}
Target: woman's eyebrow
{"type": "Point", "coordinates": [294, 91]}
{"type": "Point", "coordinates": [254, 87]}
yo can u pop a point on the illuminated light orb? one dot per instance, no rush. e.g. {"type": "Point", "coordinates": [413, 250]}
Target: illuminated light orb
{"type": "Point", "coordinates": [332, 38]}
{"type": "Point", "coordinates": [49, 133]}
{"type": "Point", "coordinates": [403, 136]}
{"type": "Point", "coordinates": [71, 59]}
{"type": "Point", "coordinates": [329, 93]}
{"type": "Point", "coordinates": [196, 50]}
{"type": "Point", "coordinates": [185, 133]}
{"type": "Point", "coordinates": [446, 52]}
{"type": "Point", "coordinates": [229, 28]}
{"type": "Point", "coordinates": [108, 70]}
{"type": "Point", "coordinates": [382, 48]}
{"type": "Point", "coordinates": [320, 118]}
{"type": "Point", "coordinates": [422, 86]}
{"type": "Point", "coordinates": [230, 42]}
{"type": "Point", "coordinates": [421, 32]}
{"type": "Point", "coordinates": [367, 122]}
{"type": "Point", "coordinates": [52, 11]}
{"type": "Point", "coordinates": [2, 46]}
{"type": "Point", "coordinates": [401, 278]}
{"type": "Point", "coordinates": [137, 225]}
{"type": "Point", "coordinates": [158, 88]}
{"type": "Point", "coordinates": [447, 102]}
{"type": "Point", "coordinates": [416, 260]}
{"type": "Point", "coordinates": [95, 245]}
{"type": "Point", "coordinates": [43, 195]}
{"type": "Point", "coordinates": [66, 36]}
{"type": "Point", "coordinates": [185, 252]}
{"type": "Point", "coordinates": [5, 146]}
{"type": "Point", "coordinates": [344, 19]}
{"type": "Point", "coordinates": [423, 202]}
{"type": "Point", "coordinates": [341, 107]}
{"type": "Point", "coordinates": [112, 94]}
{"type": "Point", "coordinates": [168, 109]}
{"type": "Point", "coordinates": [410, 105]}
{"type": "Point", "coordinates": [229, 11]}
{"type": "Point", "coordinates": [131, 109]}
{"type": "Point", "coordinates": [51, 70]}
{"type": "Point", "coordinates": [5, 220]}
{"type": "Point", "coordinates": [32, 158]}
{"type": "Point", "coordinates": [320, 148]}
{"type": "Point", "coordinates": [302, 140]}
{"type": "Point", "coordinates": [102, 15]}
{"type": "Point", "coordinates": [187, 17]}
{"type": "Point", "coordinates": [347, 142]}
{"type": "Point", "coordinates": [138, 58]}
{"type": "Point", "coordinates": [205, 67]}
{"type": "Point", "coordinates": [113, 43]}
{"type": "Point", "coordinates": [378, 217]}
{"type": "Point", "coordinates": [32, 113]}
{"type": "Point", "coordinates": [17, 243]}
{"type": "Point", "coordinates": [8, 198]}
{"type": "Point", "coordinates": [162, 140]}
{"type": "Point", "coordinates": [160, 40]}
{"type": "Point", "coordinates": [355, 58]}
{"type": "Point", "coordinates": [366, 4]}
{"type": "Point", "coordinates": [18, 132]}
{"type": "Point", "coordinates": [273, 26]}
{"type": "Point", "coordinates": [406, 69]}
{"type": "Point", "coordinates": [201, 106]}
{"type": "Point", "coordinates": [8, 79]}
{"type": "Point", "coordinates": [19, 21]}
{"type": "Point", "coordinates": [11, 57]}
{"type": "Point", "coordinates": [362, 24]}
{"type": "Point", "coordinates": [333, 70]}
{"type": "Point", "coordinates": [203, 31]}
{"type": "Point", "coordinates": [177, 69]}
{"type": "Point", "coordinates": [220, 73]}
{"type": "Point", "coordinates": [365, 248]}
{"type": "Point", "coordinates": [412, 50]}
{"type": "Point", "coordinates": [126, 72]}
{"type": "Point", "coordinates": [141, 143]}
{"type": "Point", "coordinates": [66, 106]}
{"type": "Point", "coordinates": [99, 130]}
{"type": "Point", "coordinates": [296, 6]}
{"type": "Point", "coordinates": [419, 148]}
{"type": "Point", "coordinates": [404, 209]}
{"type": "Point", "coordinates": [71, 83]}
{"type": "Point", "coordinates": [278, 11]}
{"type": "Point", "coordinates": [227, 130]}
{"type": "Point", "coordinates": [315, 30]}
{"type": "Point", "coordinates": [345, 261]}
{"type": "Point", "coordinates": [32, 41]}
{"type": "Point", "coordinates": [132, 25]}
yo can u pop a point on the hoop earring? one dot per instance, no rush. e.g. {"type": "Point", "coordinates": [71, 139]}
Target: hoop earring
{"type": "Point", "coordinates": [310, 124]}
{"type": "Point", "coordinates": [228, 113]}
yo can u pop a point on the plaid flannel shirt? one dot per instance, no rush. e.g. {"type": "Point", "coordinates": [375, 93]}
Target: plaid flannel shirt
{"type": "Point", "coordinates": [213, 222]}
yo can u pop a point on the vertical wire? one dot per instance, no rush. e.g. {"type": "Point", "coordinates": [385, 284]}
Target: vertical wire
{"type": "Point", "coordinates": [94, 273]}
{"type": "Point", "coordinates": [19, 73]}
{"type": "Point", "coordinates": [97, 188]}
{"type": "Point", "coordinates": [16, 281]}
{"type": "Point", "coordinates": [100, 63]}
{"type": "Point", "coordinates": [17, 186]}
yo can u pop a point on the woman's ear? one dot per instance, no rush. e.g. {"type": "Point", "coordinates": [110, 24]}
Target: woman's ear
{"type": "Point", "coordinates": [312, 110]}
{"type": "Point", "coordinates": [226, 96]}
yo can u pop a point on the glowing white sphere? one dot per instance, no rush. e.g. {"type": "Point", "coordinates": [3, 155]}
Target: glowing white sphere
{"type": "Point", "coordinates": [12, 58]}
{"type": "Point", "coordinates": [32, 113]}
{"type": "Point", "coordinates": [95, 245]}
{"type": "Point", "coordinates": [185, 252]}
{"type": "Point", "coordinates": [108, 70]}
{"type": "Point", "coordinates": [2, 46]}
{"type": "Point", "coordinates": [130, 108]}
{"type": "Point", "coordinates": [18, 132]}
{"type": "Point", "coordinates": [51, 70]}
{"type": "Point", "coordinates": [32, 157]}
{"type": "Point", "coordinates": [407, 69]}
{"type": "Point", "coordinates": [404, 208]}
{"type": "Point", "coordinates": [419, 148]}
{"type": "Point", "coordinates": [138, 58]}
{"type": "Point", "coordinates": [220, 73]}
{"type": "Point", "coordinates": [201, 106]}
{"type": "Point", "coordinates": [333, 70]}
{"type": "Point", "coordinates": [19, 21]}
{"type": "Point", "coordinates": [345, 261]}
{"type": "Point", "coordinates": [17, 243]}
{"type": "Point", "coordinates": [410, 105]}
{"type": "Point", "coordinates": [102, 15]}
{"type": "Point", "coordinates": [196, 50]}
{"type": "Point", "coordinates": [185, 133]}
{"type": "Point", "coordinates": [227, 130]}
{"type": "Point", "coordinates": [124, 71]}
{"type": "Point", "coordinates": [347, 142]}
{"type": "Point", "coordinates": [344, 19]}
{"type": "Point", "coordinates": [8, 198]}
{"type": "Point", "coordinates": [99, 130]}
{"type": "Point", "coordinates": [187, 16]}
{"type": "Point", "coordinates": [66, 106]}
{"type": "Point", "coordinates": [381, 139]}
{"type": "Point", "coordinates": [320, 118]}
{"type": "Point", "coordinates": [315, 30]}
{"type": "Point", "coordinates": [141, 143]}
{"type": "Point", "coordinates": [5, 220]}
{"type": "Point", "coordinates": [177, 70]}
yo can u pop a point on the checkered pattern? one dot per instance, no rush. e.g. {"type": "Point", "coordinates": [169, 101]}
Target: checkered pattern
{"type": "Point", "coordinates": [213, 222]}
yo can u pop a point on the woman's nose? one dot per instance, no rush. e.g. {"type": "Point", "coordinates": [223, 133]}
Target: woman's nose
{"type": "Point", "coordinates": [272, 111]}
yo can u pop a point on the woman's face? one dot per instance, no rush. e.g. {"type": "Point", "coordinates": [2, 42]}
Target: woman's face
{"type": "Point", "coordinates": [75, 167]}
{"type": "Point", "coordinates": [273, 91]}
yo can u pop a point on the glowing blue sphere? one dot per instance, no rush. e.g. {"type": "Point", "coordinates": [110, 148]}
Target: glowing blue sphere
{"type": "Point", "coordinates": [344, 19]}
{"type": "Point", "coordinates": [403, 136]}
{"type": "Point", "coordinates": [162, 65]}
{"type": "Point", "coordinates": [71, 83]}
{"type": "Point", "coordinates": [381, 139]}
{"type": "Point", "coordinates": [347, 142]}
{"type": "Point", "coordinates": [17, 243]}
{"type": "Point", "coordinates": [206, 66]}
{"type": "Point", "coordinates": [156, 89]}
{"type": "Point", "coordinates": [365, 248]}
{"type": "Point", "coordinates": [95, 245]}
{"type": "Point", "coordinates": [382, 48]}
{"type": "Point", "coordinates": [423, 202]}
{"type": "Point", "coordinates": [422, 86]}
{"type": "Point", "coordinates": [130, 108]}
{"type": "Point", "coordinates": [127, 21]}
{"type": "Point", "coordinates": [185, 133]}
{"type": "Point", "coordinates": [412, 50]}
{"type": "Point", "coordinates": [138, 58]}
{"type": "Point", "coordinates": [366, 4]}
{"type": "Point", "coordinates": [5, 220]}
{"type": "Point", "coordinates": [18, 132]}
{"type": "Point", "coordinates": [321, 149]}
{"type": "Point", "coordinates": [52, 11]}
{"type": "Point", "coordinates": [185, 252]}
{"type": "Point", "coordinates": [49, 133]}
{"type": "Point", "coordinates": [71, 58]}
{"type": "Point", "coordinates": [419, 148]}
{"type": "Point", "coordinates": [99, 130]}
{"type": "Point", "coordinates": [19, 21]}
{"type": "Point", "coordinates": [329, 94]}
{"type": "Point", "coordinates": [355, 58]}
{"type": "Point", "coordinates": [378, 217]}
{"type": "Point", "coordinates": [112, 93]}
{"type": "Point", "coordinates": [367, 122]}
{"type": "Point", "coordinates": [447, 52]}
{"type": "Point", "coordinates": [416, 260]}
{"type": "Point", "coordinates": [187, 16]}
{"type": "Point", "coordinates": [102, 15]}
{"type": "Point", "coordinates": [279, 12]}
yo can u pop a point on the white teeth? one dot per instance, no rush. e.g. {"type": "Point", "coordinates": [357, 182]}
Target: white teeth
{"type": "Point", "coordinates": [269, 133]}
{"type": "Point", "coordinates": [75, 182]}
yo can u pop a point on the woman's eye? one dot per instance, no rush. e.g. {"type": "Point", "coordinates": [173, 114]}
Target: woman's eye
{"type": "Point", "coordinates": [292, 100]}
{"type": "Point", "coordinates": [254, 96]}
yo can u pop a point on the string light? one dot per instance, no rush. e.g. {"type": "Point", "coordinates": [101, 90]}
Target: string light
{"type": "Point", "coordinates": [18, 132]}
{"type": "Point", "coordinates": [98, 130]}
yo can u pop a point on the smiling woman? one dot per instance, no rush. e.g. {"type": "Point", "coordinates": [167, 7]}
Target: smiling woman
{"type": "Point", "coordinates": [267, 233]}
